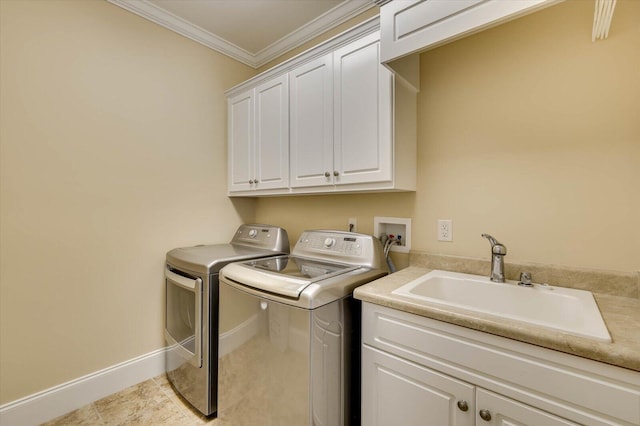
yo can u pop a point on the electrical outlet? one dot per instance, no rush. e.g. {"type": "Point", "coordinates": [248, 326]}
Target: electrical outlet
{"type": "Point", "coordinates": [353, 224]}
{"type": "Point", "coordinates": [445, 230]}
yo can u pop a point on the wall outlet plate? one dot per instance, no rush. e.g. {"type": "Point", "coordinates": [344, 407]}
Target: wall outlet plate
{"type": "Point", "coordinates": [445, 230]}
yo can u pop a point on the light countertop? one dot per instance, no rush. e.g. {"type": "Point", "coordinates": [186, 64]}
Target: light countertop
{"type": "Point", "coordinates": [621, 315]}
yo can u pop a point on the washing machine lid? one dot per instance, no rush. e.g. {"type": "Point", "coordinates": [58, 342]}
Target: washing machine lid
{"type": "Point", "coordinates": [306, 283]}
{"type": "Point", "coordinates": [324, 266]}
{"type": "Point", "coordinates": [285, 275]}
{"type": "Point", "coordinates": [305, 269]}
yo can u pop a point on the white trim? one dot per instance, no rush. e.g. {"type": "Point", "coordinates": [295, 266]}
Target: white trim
{"type": "Point", "coordinates": [334, 17]}
{"type": "Point", "coordinates": [166, 19]}
{"type": "Point", "coordinates": [364, 28]}
{"type": "Point", "coordinates": [323, 23]}
{"type": "Point", "coordinates": [58, 400]}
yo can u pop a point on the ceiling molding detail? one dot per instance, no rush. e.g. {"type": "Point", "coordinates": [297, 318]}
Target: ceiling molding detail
{"type": "Point", "coordinates": [332, 18]}
{"type": "Point", "coordinates": [183, 27]}
{"type": "Point", "coordinates": [362, 29]}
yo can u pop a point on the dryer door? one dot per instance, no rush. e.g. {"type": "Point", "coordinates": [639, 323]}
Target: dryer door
{"type": "Point", "coordinates": [183, 323]}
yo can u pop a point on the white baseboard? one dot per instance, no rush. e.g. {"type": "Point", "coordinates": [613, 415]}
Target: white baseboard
{"type": "Point", "coordinates": [58, 400]}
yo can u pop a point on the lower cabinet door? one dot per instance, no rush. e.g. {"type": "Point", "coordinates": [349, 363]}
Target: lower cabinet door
{"type": "Point", "coordinates": [494, 409]}
{"type": "Point", "coordinates": [399, 392]}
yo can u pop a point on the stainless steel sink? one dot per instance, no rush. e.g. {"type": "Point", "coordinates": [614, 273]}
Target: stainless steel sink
{"type": "Point", "coordinates": [557, 308]}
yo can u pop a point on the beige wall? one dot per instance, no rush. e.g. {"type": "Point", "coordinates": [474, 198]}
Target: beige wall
{"type": "Point", "coordinates": [529, 132]}
{"type": "Point", "coordinates": [113, 151]}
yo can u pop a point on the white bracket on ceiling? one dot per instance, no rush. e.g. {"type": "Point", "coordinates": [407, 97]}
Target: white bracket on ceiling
{"type": "Point", "coordinates": [602, 19]}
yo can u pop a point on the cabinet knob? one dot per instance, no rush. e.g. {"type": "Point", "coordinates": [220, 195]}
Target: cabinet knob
{"type": "Point", "coordinates": [485, 415]}
{"type": "Point", "coordinates": [336, 173]}
{"type": "Point", "coordinates": [250, 181]}
{"type": "Point", "coordinates": [255, 181]}
{"type": "Point", "coordinates": [463, 406]}
{"type": "Point", "coordinates": [327, 174]}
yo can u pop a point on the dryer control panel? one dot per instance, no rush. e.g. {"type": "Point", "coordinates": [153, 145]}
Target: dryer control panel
{"type": "Point", "coordinates": [262, 236]}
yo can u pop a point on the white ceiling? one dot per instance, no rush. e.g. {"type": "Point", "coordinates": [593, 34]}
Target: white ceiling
{"type": "Point", "coordinates": [251, 31]}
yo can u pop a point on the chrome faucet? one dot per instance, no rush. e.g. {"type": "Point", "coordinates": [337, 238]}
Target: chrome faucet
{"type": "Point", "coordinates": [498, 252]}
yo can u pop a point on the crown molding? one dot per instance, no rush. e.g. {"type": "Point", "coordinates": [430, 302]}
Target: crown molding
{"type": "Point", "coordinates": [324, 22]}
{"type": "Point", "coordinates": [360, 30]}
{"type": "Point", "coordinates": [330, 19]}
{"type": "Point", "coordinates": [183, 27]}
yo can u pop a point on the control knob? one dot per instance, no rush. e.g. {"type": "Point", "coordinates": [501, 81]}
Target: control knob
{"type": "Point", "coordinates": [253, 233]}
{"type": "Point", "coordinates": [329, 242]}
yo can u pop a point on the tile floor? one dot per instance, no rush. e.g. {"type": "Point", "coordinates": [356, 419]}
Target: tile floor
{"type": "Point", "coordinates": [153, 402]}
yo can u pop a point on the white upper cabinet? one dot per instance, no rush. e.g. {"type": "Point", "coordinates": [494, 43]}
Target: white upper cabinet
{"type": "Point", "coordinates": [311, 96]}
{"type": "Point", "coordinates": [341, 114]}
{"type": "Point", "coordinates": [410, 26]}
{"type": "Point", "coordinates": [413, 26]}
{"type": "Point", "coordinates": [322, 122]}
{"type": "Point", "coordinates": [363, 102]}
{"type": "Point", "coordinates": [272, 134]}
{"type": "Point", "coordinates": [258, 126]}
{"type": "Point", "coordinates": [240, 128]}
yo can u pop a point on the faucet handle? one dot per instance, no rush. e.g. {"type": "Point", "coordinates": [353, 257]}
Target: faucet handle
{"type": "Point", "coordinates": [496, 247]}
{"type": "Point", "coordinates": [525, 279]}
{"type": "Point", "coordinates": [492, 240]}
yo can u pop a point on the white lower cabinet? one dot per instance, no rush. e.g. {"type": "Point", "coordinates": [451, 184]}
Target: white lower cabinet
{"type": "Point", "coordinates": [419, 371]}
{"type": "Point", "coordinates": [494, 409]}
{"type": "Point", "coordinates": [396, 391]}
{"type": "Point", "coordinates": [399, 392]}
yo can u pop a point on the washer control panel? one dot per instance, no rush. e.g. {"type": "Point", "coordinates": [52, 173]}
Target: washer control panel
{"type": "Point", "coordinates": [336, 244]}
{"type": "Point", "coordinates": [329, 242]}
{"type": "Point", "coordinates": [339, 246]}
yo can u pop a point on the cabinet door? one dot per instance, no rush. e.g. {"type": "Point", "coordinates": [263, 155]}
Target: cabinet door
{"type": "Point", "coordinates": [240, 146]}
{"type": "Point", "coordinates": [311, 101]}
{"type": "Point", "coordinates": [363, 107]}
{"type": "Point", "coordinates": [410, 26]}
{"type": "Point", "coordinates": [398, 392]}
{"type": "Point", "coordinates": [272, 134]}
{"type": "Point", "coordinates": [494, 410]}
